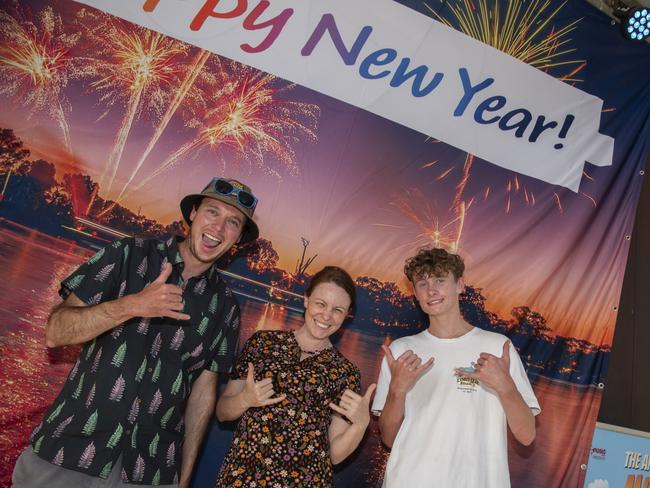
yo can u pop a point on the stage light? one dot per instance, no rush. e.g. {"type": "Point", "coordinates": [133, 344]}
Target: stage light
{"type": "Point", "coordinates": [637, 23]}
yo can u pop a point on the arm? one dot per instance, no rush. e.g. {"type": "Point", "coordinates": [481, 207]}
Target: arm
{"type": "Point", "coordinates": [240, 395]}
{"type": "Point", "coordinates": [345, 437]}
{"type": "Point", "coordinates": [494, 372]}
{"type": "Point", "coordinates": [405, 372]}
{"type": "Point", "coordinates": [75, 322]}
{"type": "Point", "coordinates": [198, 412]}
{"type": "Point", "coordinates": [520, 418]}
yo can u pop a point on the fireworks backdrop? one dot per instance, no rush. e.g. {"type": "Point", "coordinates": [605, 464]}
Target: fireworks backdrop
{"type": "Point", "coordinates": [107, 124]}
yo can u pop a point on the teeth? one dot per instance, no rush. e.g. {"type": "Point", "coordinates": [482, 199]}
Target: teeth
{"type": "Point", "coordinates": [212, 238]}
{"type": "Point", "coordinates": [321, 325]}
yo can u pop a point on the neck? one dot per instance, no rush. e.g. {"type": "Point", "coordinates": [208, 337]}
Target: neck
{"type": "Point", "coordinates": [448, 327]}
{"type": "Point", "coordinates": [192, 266]}
{"type": "Point", "coordinates": [310, 344]}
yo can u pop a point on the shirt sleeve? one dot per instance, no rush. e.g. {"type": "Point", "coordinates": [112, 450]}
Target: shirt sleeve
{"type": "Point", "coordinates": [98, 279]}
{"type": "Point", "coordinates": [224, 354]}
{"type": "Point", "coordinates": [249, 354]}
{"type": "Point", "coordinates": [382, 388]}
{"type": "Point", "coordinates": [522, 383]}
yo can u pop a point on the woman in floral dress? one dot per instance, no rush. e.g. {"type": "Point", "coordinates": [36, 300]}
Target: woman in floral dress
{"type": "Point", "coordinates": [297, 396]}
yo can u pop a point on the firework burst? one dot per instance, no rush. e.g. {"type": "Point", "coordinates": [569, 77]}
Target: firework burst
{"type": "Point", "coordinates": [132, 66]}
{"type": "Point", "coordinates": [194, 69]}
{"type": "Point", "coordinates": [244, 110]}
{"type": "Point", "coordinates": [413, 205]}
{"type": "Point", "coordinates": [35, 63]}
{"type": "Point", "coordinates": [523, 30]}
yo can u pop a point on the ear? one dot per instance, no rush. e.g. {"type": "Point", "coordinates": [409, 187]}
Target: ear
{"type": "Point", "coordinates": [306, 301]}
{"type": "Point", "coordinates": [193, 214]}
{"type": "Point", "coordinates": [460, 285]}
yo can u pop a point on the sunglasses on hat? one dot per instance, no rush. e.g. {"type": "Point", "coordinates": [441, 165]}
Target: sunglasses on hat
{"type": "Point", "coordinates": [224, 187]}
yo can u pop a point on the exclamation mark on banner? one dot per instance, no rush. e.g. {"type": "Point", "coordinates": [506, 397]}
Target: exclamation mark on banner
{"type": "Point", "coordinates": [565, 129]}
{"type": "Point", "coordinates": [150, 5]}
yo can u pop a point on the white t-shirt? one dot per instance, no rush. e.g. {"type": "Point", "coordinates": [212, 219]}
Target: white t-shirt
{"type": "Point", "coordinates": [454, 432]}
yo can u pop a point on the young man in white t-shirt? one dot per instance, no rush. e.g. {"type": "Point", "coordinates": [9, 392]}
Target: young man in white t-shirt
{"type": "Point", "coordinates": [447, 395]}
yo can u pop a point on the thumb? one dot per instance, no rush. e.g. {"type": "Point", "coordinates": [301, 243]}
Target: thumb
{"type": "Point", "coordinates": [250, 376]}
{"type": "Point", "coordinates": [164, 274]}
{"type": "Point", "coordinates": [388, 354]}
{"type": "Point", "coordinates": [506, 351]}
{"type": "Point", "coordinates": [371, 389]}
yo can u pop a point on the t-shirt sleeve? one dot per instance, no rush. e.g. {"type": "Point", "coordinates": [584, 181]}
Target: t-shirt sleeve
{"type": "Point", "coordinates": [522, 383]}
{"type": "Point", "coordinates": [224, 354]}
{"type": "Point", "coordinates": [382, 388]}
{"type": "Point", "coordinates": [98, 279]}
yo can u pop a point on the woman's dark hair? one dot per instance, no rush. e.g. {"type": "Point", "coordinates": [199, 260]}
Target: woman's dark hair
{"type": "Point", "coordinates": [336, 275]}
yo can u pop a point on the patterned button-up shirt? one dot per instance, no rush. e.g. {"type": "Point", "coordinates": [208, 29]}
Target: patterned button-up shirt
{"type": "Point", "coordinates": [126, 393]}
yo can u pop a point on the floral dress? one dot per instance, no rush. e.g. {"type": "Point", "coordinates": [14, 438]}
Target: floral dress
{"type": "Point", "coordinates": [287, 444]}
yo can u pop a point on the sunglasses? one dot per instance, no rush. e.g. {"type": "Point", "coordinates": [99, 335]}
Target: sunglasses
{"type": "Point", "coordinates": [224, 187]}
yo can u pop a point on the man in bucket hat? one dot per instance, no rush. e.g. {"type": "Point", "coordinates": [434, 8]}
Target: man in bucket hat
{"type": "Point", "coordinates": [157, 324]}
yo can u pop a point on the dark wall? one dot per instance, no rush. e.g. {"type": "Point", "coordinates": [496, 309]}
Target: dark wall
{"type": "Point", "coordinates": [627, 390]}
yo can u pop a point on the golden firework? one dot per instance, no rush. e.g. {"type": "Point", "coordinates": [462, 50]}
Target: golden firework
{"type": "Point", "coordinates": [35, 63]}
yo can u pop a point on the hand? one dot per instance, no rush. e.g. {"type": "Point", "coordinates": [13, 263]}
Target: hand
{"type": "Point", "coordinates": [259, 393]}
{"type": "Point", "coordinates": [406, 370]}
{"type": "Point", "coordinates": [354, 407]}
{"type": "Point", "coordinates": [159, 299]}
{"type": "Point", "coordinates": [493, 371]}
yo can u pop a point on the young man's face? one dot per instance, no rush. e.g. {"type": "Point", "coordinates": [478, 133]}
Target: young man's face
{"type": "Point", "coordinates": [438, 295]}
{"type": "Point", "coordinates": [216, 227]}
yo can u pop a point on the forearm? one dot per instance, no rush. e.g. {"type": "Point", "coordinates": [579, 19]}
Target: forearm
{"type": "Point", "coordinates": [76, 323]}
{"type": "Point", "coordinates": [520, 418]}
{"type": "Point", "coordinates": [231, 407]}
{"type": "Point", "coordinates": [392, 416]}
{"type": "Point", "coordinates": [345, 443]}
{"type": "Point", "coordinates": [198, 413]}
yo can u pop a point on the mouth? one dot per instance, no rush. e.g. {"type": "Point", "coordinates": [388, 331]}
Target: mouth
{"type": "Point", "coordinates": [210, 241]}
{"type": "Point", "coordinates": [437, 301]}
{"type": "Point", "coordinates": [322, 325]}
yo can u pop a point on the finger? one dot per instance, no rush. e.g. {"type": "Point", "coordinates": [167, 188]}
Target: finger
{"type": "Point", "coordinates": [174, 305]}
{"type": "Point", "coordinates": [414, 363]}
{"type": "Point", "coordinates": [164, 273]}
{"type": "Point", "coordinates": [506, 351]}
{"type": "Point", "coordinates": [487, 355]}
{"type": "Point", "coordinates": [338, 409]}
{"type": "Point", "coordinates": [371, 389]}
{"type": "Point", "coordinates": [406, 356]}
{"type": "Point", "coordinates": [389, 355]}
{"type": "Point", "coordinates": [480, 361]}
{"type": "Point", "coordinates": [172, 290]}
{"type": "Point", "coordinates": [426, 366]}
{"type": "Point", "coordinates": [250, 374]}
{"type": "Point", "coordinates": [273, 401]}
{"type": "Point", "coordinates": [176, 315]}
{"type": "Point", "coordinates": [350, 395]}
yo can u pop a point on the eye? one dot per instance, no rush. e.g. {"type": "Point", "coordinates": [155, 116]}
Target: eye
{"type": "Point", "coordinates": [234, 223]}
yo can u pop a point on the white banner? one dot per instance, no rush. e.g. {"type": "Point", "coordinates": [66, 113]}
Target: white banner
{"type": "Point", "coordinates": [390, 60]}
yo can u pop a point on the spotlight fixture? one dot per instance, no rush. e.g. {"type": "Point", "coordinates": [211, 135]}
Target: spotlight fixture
{"type": "Point", "coordinates": [637, 23]}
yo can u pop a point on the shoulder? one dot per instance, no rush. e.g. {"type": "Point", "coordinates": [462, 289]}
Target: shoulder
{"type": "Point", "coordinates": [269, 336]}
{"type": "Point", "coordinates": [492, 341]}
{"type": "Point", "coordinates": [407, 342]}
{"type": "Point", "coordinates": [344, 364]}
